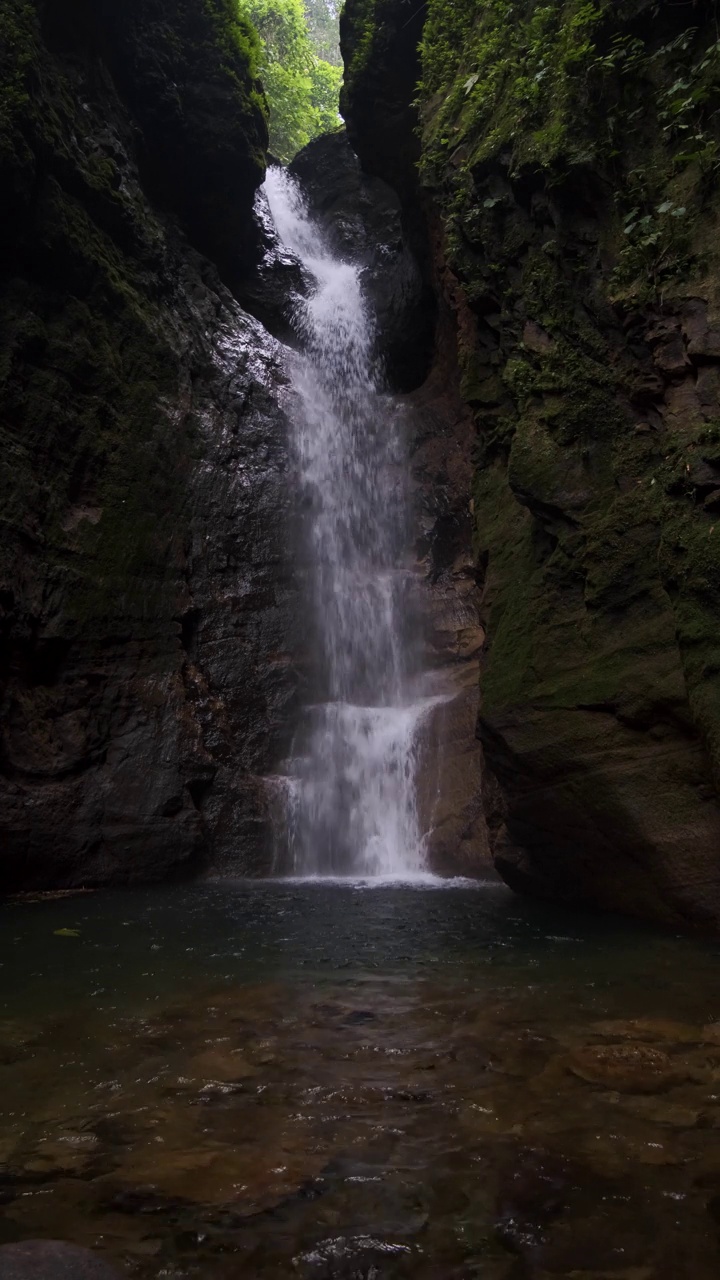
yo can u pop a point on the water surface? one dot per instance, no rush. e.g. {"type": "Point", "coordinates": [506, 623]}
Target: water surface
{"type": "Point", "coordinates": [330, 1080]}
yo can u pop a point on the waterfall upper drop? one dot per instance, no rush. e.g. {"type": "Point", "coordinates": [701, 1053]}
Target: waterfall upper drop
{"type": "Point", "coordinates": [351, 798]}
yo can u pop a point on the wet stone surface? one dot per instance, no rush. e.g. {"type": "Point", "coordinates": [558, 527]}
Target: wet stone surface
{"type": "Point", "coordinates": [336, 1082]}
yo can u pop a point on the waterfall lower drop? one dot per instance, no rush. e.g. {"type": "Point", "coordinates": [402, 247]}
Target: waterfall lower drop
{"type": "Point", "coordinates": [351, 803]}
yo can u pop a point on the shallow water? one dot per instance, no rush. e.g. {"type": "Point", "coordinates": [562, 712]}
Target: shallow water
{"type": "Point", "coordinates": [327, 1080]}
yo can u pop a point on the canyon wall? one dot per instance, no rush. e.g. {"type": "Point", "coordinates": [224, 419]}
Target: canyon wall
{"type": "Point", "coordinates": [558, 170]}
{"type": "Point", "coordinates": [547, 276]}
{"type": "Point", "coordinates": [144, 593]}
{"type": "Point", "coordinates": [151, 661]}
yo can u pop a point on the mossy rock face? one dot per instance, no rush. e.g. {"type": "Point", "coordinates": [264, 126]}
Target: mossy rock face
{"type": "Point", "coordinates": [575, 246]}
{"type": "Point", "coordinates": [188, 71]}
{"type": "Point", "coordinates": [378, 106]}
{"type": "Point", "coordinates": [138, 574]}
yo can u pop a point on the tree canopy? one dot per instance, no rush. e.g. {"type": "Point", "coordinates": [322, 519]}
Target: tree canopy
{"type": "Point", "coordinates": [322, 17]}
{"type": "Point", "coordinates": [299, 68]}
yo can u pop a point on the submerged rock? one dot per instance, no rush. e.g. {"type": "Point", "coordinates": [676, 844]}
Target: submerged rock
{"type": "Point", "coordinates": [529, 1198]}
{"type": "Point", "coordinates": [224, 1065]}
{"type": "Point", "coordinates": [660, 1030]}
{"type": "Point", "coordinates": [52, 1260]}
{"type": "Point", "coordinates": [631, 1068]}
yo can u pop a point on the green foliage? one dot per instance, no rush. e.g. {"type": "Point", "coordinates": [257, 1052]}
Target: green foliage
{"type": "Point", "coordinates": [18, 21]}
{"type": "Point", "coordinates": [302, 88]}
{"type": "Point", "coordinates": [518, 73]}
{"type": "Point", "coordinates": [322, 20]}
{"type": "Point", "coordinates": [553, 86]}
{"type": "Point", "coordinates": [688, 103]}
{"type": "Point", "coordinates": [656, 246]}
{"type": "Point", "coordinates": [233, 34]}
{"type": "Point", "coordinates": [325, 89]}
{"type": "Point", "coordinates": [661, 196]}
{"type": "Point", "coordinates": [536, 76]}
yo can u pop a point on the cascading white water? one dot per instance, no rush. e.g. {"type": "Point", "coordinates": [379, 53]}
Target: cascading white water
{"type": "Point", "coordinates": [352, 803]}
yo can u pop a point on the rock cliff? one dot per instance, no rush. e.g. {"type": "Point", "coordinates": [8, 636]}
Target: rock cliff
{"type": "Point", "coordinates": [560, 163]}
{"type": "Point", "coordinates": [144, 669]}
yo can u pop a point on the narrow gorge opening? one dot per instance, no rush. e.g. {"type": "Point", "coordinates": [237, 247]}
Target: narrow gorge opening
{"type": "Point", "coordinates": [350, 795]}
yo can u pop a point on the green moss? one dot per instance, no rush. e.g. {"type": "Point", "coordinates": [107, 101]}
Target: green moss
{"type": "Point", "coordinates": [525, 73]}
{"type": "Point", "coordinates": [561, 87]}
{"type": "Point", "coordinates": [234, 35]}
{"type": "Point", "coordinates": [365, 30]}
{"type": "Point", "coordinates": [18, 52]}
{"type": "Point", "coordinates": [572, 152]}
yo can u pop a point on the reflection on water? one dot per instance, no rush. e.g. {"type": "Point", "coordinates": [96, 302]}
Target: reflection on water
{"type": "Point", "coordinates": [312, 1080]}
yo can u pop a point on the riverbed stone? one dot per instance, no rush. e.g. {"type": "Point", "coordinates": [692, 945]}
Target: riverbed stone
{"type": "Point", "coordinates": [222, 1064]}
{"type": "Point", "coordinates": [654, 1030]}
{"type": "Point", "coordinates": [14, 1044]}
{"type": "Point", "coordinates": [52, 1260]}
{"type": "Point", "coordinates": [256, 1176]}
{"type": "Point", "coordinates": [631, 1068]}
{"type": "Point", "coordinates": [64, 1152]}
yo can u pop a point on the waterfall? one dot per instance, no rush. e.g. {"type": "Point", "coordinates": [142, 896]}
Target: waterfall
{"type": "Point", "coordinates": [351, 798]}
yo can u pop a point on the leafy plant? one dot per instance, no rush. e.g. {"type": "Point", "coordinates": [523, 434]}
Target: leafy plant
{"type": "Point", "coordinates": [322, 22]}
{"type": "Point", "coordinates": [656, 247]}
{"type": "Point", "coordinates": [302, 88]}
